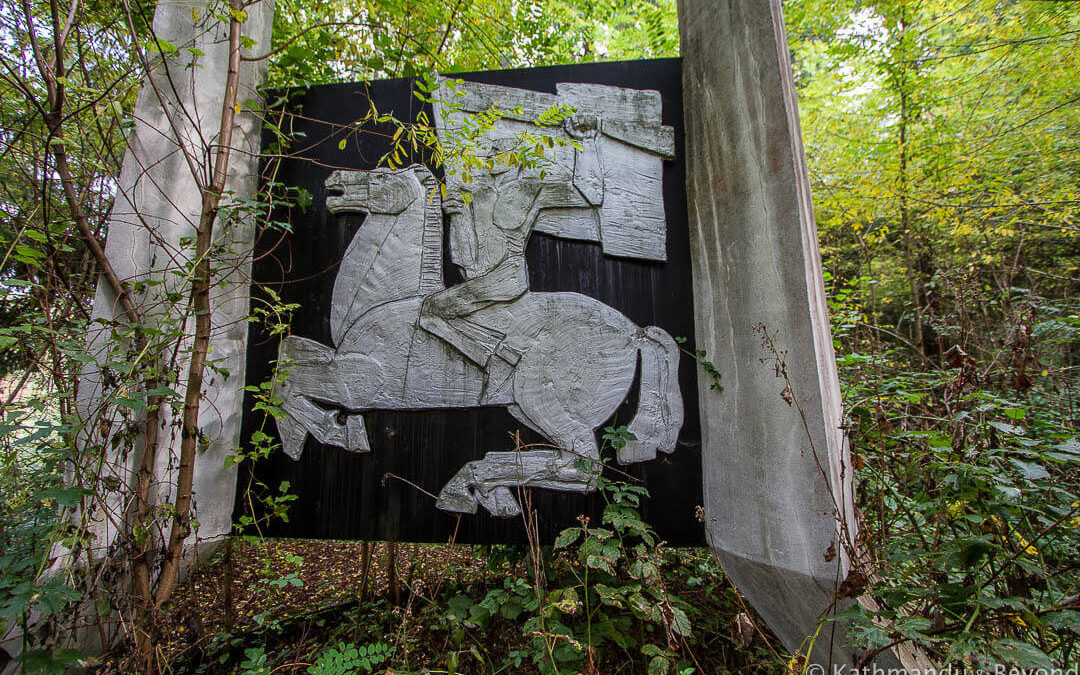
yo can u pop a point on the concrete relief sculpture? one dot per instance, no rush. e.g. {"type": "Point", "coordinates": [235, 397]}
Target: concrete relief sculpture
{"type": "Point", "coordinates": [561, 363]}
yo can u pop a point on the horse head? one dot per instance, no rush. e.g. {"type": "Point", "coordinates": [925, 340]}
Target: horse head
{"type": "Point", "coordinates": [379, 191]}
{"type": "Point", "coordinates": [397, 252]}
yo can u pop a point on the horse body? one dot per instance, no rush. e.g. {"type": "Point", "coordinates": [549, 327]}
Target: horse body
{"type": "Point", "coordinates": [391, 359]}
{"type": "Point", "coordinates": [573, 358]}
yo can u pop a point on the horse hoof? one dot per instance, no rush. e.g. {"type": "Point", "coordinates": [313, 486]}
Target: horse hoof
{"type": "Point", "coordinates": [455, 497]}
{"type": "Point", "coordinates": [634, 452]}
{"type": "Point", "coordinates": [356, 438]}
{"type": "Point", "coordinates": [292, 435]}
{"type": "Point", "coordinates": [500, 502]}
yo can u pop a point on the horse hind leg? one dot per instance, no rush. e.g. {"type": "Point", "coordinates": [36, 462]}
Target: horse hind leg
{"type": "Point", "coordinates": [574, 444]}
{"type": "Point", "coordinates": [659, 415]}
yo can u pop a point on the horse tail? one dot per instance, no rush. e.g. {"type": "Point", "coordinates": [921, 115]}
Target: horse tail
{"type": "Point", "coordinates": [659, 414]}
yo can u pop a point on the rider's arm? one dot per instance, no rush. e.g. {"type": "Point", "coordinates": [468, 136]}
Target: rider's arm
{"type": "Point", "coordinates": [584, 187]}
{"type": "Point", "coordinates": [588, 170]}
{"type": "Point", "coordinates": [584, 190]}
{"type": "Point", "coordinates": [463, 246]}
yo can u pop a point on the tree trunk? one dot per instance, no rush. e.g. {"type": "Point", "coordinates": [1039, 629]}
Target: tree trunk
{"type": "Point", "coordinates": [200, 302]}
{"type": "Point", "coordinates": [910, 241]}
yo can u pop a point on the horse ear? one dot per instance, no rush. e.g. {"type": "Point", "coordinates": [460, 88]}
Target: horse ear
{"type": "Point", "coordinates": [391, 194]}
{"type": "Point", "coordinates": [428, 183]}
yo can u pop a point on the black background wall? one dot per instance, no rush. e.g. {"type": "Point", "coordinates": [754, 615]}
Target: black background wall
{"type": "Point", "coordinates": [341, 495]}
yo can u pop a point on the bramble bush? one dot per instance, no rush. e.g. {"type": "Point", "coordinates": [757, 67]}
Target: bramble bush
{"type": "Point", "coordinates": [968, 488]}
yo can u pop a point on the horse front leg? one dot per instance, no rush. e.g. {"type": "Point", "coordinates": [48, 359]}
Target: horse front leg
{"type": "Point", "coordinates": [330, 427]}
{"type": "Point", "coordinates": [310, 372]}
{"type": "Point", "coordinates": [487, 482]}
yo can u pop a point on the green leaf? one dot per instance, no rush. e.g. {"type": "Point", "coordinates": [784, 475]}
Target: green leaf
{"type": "Point", "coordinates": [599, 562]}
{"type": "Point", "coordinates": [1008, 428]}
{"type": "Point", "coordinates": [28, 252]}
{"type": "Point", "coordinates": [659, 665]}
{"type": "Point", "coordinates": [53, 596]}
{"type": "Point", "coordinates": [567, 537]}
{"type": "Point", "coordinates": [975, 550]}
{"type": "Point", "coordinates": [164, 46]}
{"type": "Point", "coordinates": [566, 600]}
{"type": "Point", "coordinates": [1069, 446]}
{"type": "Point", "coordinates": [1030, 470]}
{"type": "Point", "coordinates": [1022, 654]}
{"type": "Point", "coordinates": [679, 622]}
{"type": "Point", "coordinates": [44, 662]}
{"type": "Point", "coordinates": [1015, 413]}
{"type": "Point", "coordinates": [612, 596]}
{"type": "Point", "coordinates": [68, 497]}
{"type": "Point", "coordinates": [1064, 620]}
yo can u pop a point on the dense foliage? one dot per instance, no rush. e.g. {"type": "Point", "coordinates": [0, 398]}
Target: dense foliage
{"type": "Point", "coordinates": [46, 272]}
{"type": "Point", "coordinates": [942, 140]}
{"type": "Point", "coordinates": [943, 148]}
{"type": "Point", "coordinates": [372, 39]}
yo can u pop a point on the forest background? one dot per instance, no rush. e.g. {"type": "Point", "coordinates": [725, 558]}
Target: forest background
{"type": "Point", "coordinates": [943, 140]}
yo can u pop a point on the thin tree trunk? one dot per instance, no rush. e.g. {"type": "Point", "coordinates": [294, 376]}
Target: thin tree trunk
{"type": "Point", "coordinates": [392, 573]}
{"type": "Point", "coordinates": [909, 239]}
{"type": "Point", "coordinates": [230, 574]}
{"type": "Point", "coordinates": [53, 73]}
{"type": "Point", "coordinates": [200, 303]}
{"type": "Point", "coordinates": [365, 569]}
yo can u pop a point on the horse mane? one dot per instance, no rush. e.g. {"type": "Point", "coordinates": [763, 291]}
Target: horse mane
{"type": "Point", "coordinates": [431, 267]}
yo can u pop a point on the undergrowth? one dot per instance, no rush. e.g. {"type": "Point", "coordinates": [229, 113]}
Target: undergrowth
{"type": "Point", "coordinates": [608, 597]}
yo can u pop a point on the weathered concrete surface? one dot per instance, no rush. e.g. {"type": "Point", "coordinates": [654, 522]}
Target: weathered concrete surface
{"type": "Point", "coordinates": [610, 190]}
{"type": "Point", "coordinates": [150, 229]}
{"type": "Point", "coordinates": [561, 363]}
{"type": "Point", "coordinates": [777, 477]}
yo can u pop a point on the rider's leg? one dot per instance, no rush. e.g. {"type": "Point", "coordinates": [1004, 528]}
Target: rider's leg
{"type": "Point", "coordinates": [475, 347]}
{"type": "Point", "coordinates": [445, 314]}
{"type": "Point", "coordinates": [441, 312]}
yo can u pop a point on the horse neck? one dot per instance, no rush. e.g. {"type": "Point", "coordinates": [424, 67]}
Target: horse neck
{"type": "Point", "coordinates": [431, 240]}
{"type": "Point", "coordinates": [391, 257]}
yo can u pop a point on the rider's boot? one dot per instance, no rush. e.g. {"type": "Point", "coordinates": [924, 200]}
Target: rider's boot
{"type": "Point", "coordinates": [497, 382]}
{"type": "Point", "coordinates": [356, 438]}
{"type": "Point", "coordinates": [499, 371]}
{"type": "Point", "coordinates": [465, 342]}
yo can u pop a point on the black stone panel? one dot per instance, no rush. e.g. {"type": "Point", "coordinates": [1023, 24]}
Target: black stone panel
{"type": "Point", "coordinates": [365, 496]}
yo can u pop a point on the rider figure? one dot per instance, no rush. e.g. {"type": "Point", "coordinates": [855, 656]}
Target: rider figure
{"type": "Point", "coordinates": [489, 236]}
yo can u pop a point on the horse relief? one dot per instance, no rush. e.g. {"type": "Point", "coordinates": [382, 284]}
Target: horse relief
{"type": "Point", "coordinates": [561, 363]}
